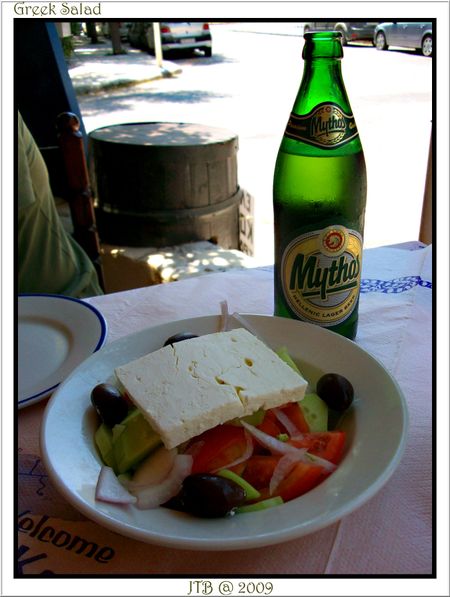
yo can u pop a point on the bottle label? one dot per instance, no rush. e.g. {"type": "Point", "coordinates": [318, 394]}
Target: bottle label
{"type": "Point", "coordinates": [326, 126]}
{"type": "Point", "coordinates": [321, 275]}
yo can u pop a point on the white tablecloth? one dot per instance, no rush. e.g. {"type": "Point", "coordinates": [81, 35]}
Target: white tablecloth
{"type": "Point", "coordinates": [390, 535]}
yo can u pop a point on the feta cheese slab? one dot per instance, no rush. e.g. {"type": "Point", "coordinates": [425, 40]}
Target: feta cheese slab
{"type": "Point", "coordinates": [191, 386]}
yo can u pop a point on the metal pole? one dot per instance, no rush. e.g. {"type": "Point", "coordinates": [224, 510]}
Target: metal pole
{"type": "Point", "coordinates": [158, 48]}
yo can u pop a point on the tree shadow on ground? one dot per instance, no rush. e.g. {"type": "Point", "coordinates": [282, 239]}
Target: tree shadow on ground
{"type": "Point", "coordinates": [121, 101]}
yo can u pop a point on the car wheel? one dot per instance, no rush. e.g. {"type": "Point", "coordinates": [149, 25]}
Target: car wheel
{"type": "Point", "coordinates": [380, 41]}
{"type": "Point", "coordinates": [427, 45]}
{"type": "Point", "coordinates": [208, 52]}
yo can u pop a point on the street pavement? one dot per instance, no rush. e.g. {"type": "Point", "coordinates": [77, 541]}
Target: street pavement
{"type": "Point", "coordinates": [93, 67]}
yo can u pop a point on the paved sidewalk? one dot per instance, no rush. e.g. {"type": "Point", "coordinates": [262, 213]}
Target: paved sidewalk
{"type": "Point", "coordinates": [94, 67]}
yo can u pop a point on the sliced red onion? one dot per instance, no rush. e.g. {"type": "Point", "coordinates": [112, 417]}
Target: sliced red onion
{"type": "Point", "coordinates": [155, 495]}
{"type": "Point", "coordinates": [245, 455]}
{"type": "Point", "coordinates": [238, 317]}
{"type": "Point", "coordinates": [327, 465]}
{"type": "Point", "coordinates": [153, 470]}
{"type": "Point", "coordinates": [109, 489]}
{"type": "Point", "coordinates": [283, 468]}
{"type": "Point", "coordinates": [278, 447]}
{"type": "Point", "coordinates": [271, 443]}
{"type": "Point", "coordinates": [290, 427]}
{"type": "Point", "coordinates": [225, 316]}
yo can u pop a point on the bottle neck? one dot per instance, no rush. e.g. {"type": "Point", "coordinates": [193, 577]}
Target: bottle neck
{"type": "Point", "coordinates": [321, 82]}
{"type": "Point", "coordinates": [322, 76]}
{"type": "Point", "coordinates": [321, 119]}
{"type": "Point", "coordinates": [324, 71]}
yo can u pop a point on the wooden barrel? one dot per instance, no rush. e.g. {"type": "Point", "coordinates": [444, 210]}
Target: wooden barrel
{"type": "Point", "coordinates": [160, 184]}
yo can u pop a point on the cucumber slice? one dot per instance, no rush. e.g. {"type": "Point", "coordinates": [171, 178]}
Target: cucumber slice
{"type": "Point", "coordinates": [250, 492]}
{"type": "Point", "coordinates": [263, 505]}
{"type": "Point", "coordinates": [284, 355]}
{"type": "Point", "coordinates": [134, 412]}
{"type": "Point", "coordinates": [315, 412]}
{"type": "Point", "coordinates": [134, 442]}
{"type": "Point", "coordinates": [254, 419]}
{"type": "Point", "coordinates": [103, 438]}
{"type": "Point", "coordinates": [117, 430]}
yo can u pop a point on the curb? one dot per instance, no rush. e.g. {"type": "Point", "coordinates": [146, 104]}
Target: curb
{"type": "Point", "coordinates": [168, 69]}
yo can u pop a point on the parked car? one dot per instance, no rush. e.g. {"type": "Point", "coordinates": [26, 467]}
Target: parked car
{"type": "Point", "coordinates": [174, 36]}
{"type": "Point", "coordinates": [351, 31]}
{"type": "Point", "coordinates": [417, 36]}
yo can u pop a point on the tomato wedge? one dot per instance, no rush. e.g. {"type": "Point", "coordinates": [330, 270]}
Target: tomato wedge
{"type": "Point", "coordinates": [259, 470]}
{"type": "Point", "coordinates": [302, 478]}
{"type": "Point", "coordinates": [270, 425]}
{"type": "Point", "coordinates": [295, 414]}
{"type": "Point", "coordinates": [328, 444]}
{"type": "Point", "coordinates": [217, 447]}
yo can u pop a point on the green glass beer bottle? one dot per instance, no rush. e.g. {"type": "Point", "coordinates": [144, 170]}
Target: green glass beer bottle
{"type": "Point", "coordinates": [319, 197]}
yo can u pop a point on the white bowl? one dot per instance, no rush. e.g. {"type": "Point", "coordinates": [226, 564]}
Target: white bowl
{"type": "Point", "coordinates": [379, 411]}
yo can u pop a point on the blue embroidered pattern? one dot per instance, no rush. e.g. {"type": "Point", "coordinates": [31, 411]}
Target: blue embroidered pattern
{"type": "Point", "coordinates": [394, 286]}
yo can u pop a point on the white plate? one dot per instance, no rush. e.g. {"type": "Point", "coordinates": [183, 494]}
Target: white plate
{"type": "Point", "coordinates": [55, 334]}
{"type": "Point", "coordinates": [376, 427]}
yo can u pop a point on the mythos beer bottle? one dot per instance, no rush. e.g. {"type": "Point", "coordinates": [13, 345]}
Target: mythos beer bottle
{"type": "Point", "coordinates": [319, 197]}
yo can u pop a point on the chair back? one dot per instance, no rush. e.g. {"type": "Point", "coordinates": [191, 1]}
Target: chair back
{"type": "Point", "coordinates": [78, 188]}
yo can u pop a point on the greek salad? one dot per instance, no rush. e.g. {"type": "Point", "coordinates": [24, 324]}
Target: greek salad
{"type": "Point", "coordinates": [248, 464]}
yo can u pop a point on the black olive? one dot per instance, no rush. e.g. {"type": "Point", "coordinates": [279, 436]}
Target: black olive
{"type": "Point", "coordinates": [210, 496]}
{"type": "Point", "coordinates": [336, 391]}
{"type": "Point", "coordinates": [176, 502]}
{"type": "Point", "coordinates": [179, 338]}
{"type": "Point", "coordinates": [109, 403]}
